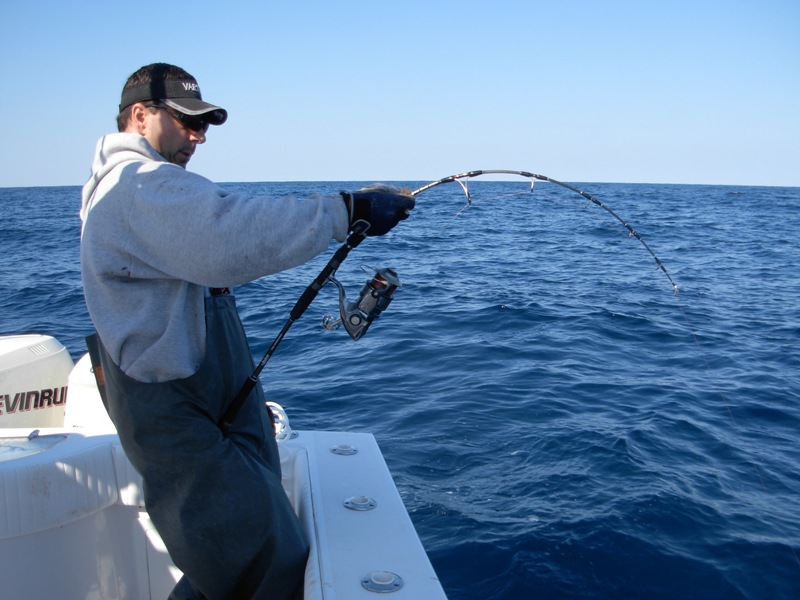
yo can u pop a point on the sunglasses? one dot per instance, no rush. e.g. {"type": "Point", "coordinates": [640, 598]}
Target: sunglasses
{"type": "Point", "coordinates": [193, 123]}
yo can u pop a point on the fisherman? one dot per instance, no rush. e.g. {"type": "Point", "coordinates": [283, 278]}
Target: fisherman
{"type": "Point", "coordinates": [160, 249]}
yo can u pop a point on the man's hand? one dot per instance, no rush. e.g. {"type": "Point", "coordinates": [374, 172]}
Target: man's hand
{"type": "Point", "coordinates": [382, 206]}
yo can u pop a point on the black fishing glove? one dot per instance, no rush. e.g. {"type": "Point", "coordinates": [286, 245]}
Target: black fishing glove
{"type": "Point", "coordinates": [382, 206]}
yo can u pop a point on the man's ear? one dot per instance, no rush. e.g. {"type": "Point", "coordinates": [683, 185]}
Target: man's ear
{"type": "Point", "coordinates": [136, 122]}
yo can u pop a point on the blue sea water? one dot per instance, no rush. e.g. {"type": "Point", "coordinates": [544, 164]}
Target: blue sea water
{"type": "Point", "coordinates": [558, 422]}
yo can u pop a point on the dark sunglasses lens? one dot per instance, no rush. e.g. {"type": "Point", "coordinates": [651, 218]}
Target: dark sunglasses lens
{"type": "Point", "coordinates": [193, 123]}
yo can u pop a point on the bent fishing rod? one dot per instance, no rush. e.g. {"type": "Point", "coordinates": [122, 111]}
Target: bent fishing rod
{"type": "Point", "coordinates": [377, 293]}
{"type": "Point", "coordinates": [463, 178]}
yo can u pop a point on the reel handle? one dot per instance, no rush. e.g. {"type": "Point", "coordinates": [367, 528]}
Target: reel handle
{"type": "Point", "coordinates": [375, 297]}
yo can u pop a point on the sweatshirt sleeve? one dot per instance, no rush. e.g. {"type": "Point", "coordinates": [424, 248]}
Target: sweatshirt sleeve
{"type": "Point", "coordinates": [183, 226]}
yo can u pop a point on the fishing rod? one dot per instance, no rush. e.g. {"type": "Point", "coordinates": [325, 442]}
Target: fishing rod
{"type": "Point", "coordinates": [357, 235]}
{"type": "Point", "coordinates": [463, 178]}
{"type": "Point", "coordinates": [378, 292]}
{"type": "Point", "coordinates": [357, 316]}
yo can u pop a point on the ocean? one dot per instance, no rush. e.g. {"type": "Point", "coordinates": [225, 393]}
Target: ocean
{"type": "Point", "coordinates": [558, 422]}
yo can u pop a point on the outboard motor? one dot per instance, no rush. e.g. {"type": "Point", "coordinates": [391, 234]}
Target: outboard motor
{"type": "Point", "coordinates": [34, 375]}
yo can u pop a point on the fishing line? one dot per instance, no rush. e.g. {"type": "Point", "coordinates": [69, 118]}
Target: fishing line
{"type": "Point", "coordinates": [754, 460]}
{"type": "Point", "coordinates": [460, 178]}
{"type": "Point", "coordinates": [463, 180]}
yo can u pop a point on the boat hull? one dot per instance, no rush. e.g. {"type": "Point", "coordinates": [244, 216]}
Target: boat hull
{"type": "Point", "coordinates": [74, 523]}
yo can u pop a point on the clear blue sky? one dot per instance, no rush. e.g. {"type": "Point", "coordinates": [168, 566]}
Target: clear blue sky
{"type": "Point", "coordinates": [667, 91]}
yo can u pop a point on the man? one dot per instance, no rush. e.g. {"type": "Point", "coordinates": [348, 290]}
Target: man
{"type": "Point", "coordinates": [160, 247]}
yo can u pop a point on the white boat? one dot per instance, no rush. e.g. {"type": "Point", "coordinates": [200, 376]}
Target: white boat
{"type": "Point", "coordinates": [74, 525]}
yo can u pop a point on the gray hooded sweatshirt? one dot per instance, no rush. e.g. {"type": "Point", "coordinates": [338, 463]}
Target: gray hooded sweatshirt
{"type": "Point", "coordinates": [155, 237]}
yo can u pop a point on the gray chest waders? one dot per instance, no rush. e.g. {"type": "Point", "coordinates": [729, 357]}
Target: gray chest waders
{"type": "Point", "coordinates": [216, 499]}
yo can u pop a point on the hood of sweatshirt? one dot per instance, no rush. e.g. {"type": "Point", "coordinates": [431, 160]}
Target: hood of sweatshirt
{"type": "Point", "coordinates": [112, 151]}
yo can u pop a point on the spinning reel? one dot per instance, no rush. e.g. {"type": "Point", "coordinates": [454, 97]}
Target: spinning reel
{"type": "Point", "coordinates": [375, 296]}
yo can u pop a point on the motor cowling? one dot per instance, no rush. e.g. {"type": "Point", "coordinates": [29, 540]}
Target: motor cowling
{"type": "Point", "coordinates": [34, 377]}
